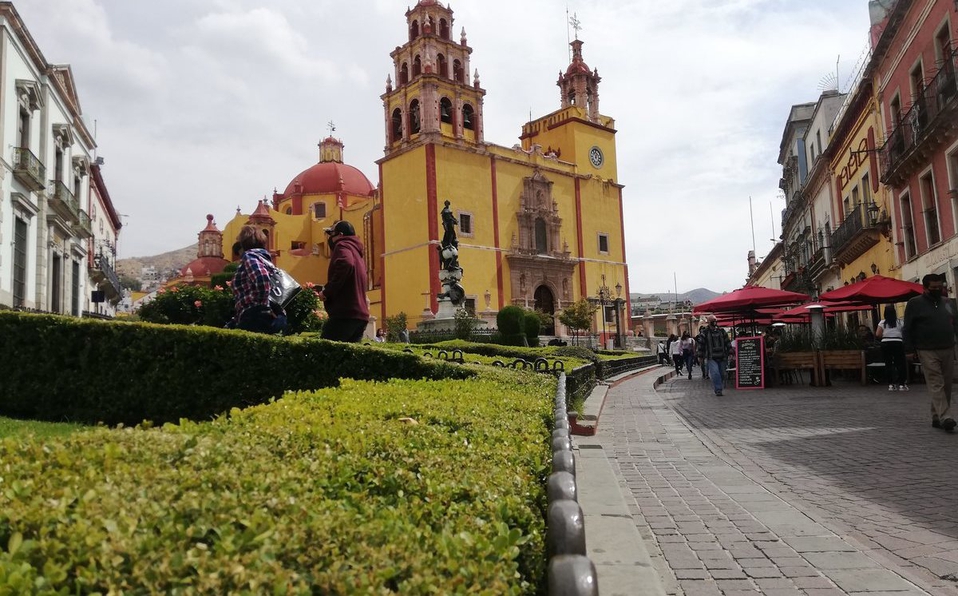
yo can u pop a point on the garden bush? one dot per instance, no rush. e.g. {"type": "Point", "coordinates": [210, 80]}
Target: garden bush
{"type": "Point", "coordinates": [87, 370]}
{"type": "Point", "coordinates": [401, 487]}
{"type": "Point", "coordinates": [509, 321]}
{"type": "Point", "coordinates": [531, 323]}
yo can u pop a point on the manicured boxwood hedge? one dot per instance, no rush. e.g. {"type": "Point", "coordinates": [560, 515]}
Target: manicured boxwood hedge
{"type": "Point", "coordinates": [62, 368]}
{"type": "Point", "coordinates": [411, 487]}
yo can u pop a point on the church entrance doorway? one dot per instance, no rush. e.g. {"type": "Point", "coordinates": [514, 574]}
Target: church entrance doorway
{"type": "Point", "coordinates": [545, 302]}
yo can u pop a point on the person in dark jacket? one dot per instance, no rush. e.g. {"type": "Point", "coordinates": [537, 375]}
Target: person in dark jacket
{"type": "Point", "coordinates": [251, 286]}
{"type": "Point", "coordinates": [930, 329]}
{"type": "Point", "coordinates": [345, 291]}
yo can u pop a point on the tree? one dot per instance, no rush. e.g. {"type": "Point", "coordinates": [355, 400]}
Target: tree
{"type": "Point", "coordinates": [130, 283]}
{"type": "Point", "coordinates": [466, 323]}
{"type": "Point", "coordinates": [578, 316]}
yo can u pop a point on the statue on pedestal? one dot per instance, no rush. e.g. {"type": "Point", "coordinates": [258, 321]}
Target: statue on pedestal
{"type": "Point", "coordinates": [450, 273]}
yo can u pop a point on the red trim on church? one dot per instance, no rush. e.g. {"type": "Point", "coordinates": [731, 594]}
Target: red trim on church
{"type": "Point", "coordinates": [432, 206]}
{"type": "Point", "coordinates": [382, 251]}
{"type": "Point", "coordinates": [627, 315]}
{"type": "Point", "coordinates": [495, 231]}
{"type": "Point", "coordinates": [578, 232]}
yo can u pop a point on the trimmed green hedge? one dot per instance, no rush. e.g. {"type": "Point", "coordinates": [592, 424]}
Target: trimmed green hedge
{"type": "Point", "coordinates": [411, 487]}
{"type": "Point", "coordinates": [62, 368]}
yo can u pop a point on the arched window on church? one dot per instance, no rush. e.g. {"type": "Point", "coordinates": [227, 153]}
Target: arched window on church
{"type": "Point", "coordinates": [442, 66]}
{"type": "Point", "coordinates": [445, 110]}
{"type": "Point", "coordinates": [416, 67]}
{"type": "Point", "coordinates": [443, 29]}
{"type": "Point", "coordinates": [403, 74]}
{"type": "Point", "coordinates": [457, 73]}
{"type": "Point", "coordinates": [414, 30]}
{"type": "Point", "coordinates": [572, 98]}
{"type": "Point", "coordinates": [468, 117]}
{"type": "Point", "coordinates": [414, 117]}
{"type": "Point", "coordinates": [396, 126]}
{"type": "Point", "coordinates": [542, 244]}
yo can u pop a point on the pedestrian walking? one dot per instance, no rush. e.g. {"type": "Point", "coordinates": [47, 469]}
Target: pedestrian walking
{"type": "Point", "coordinates": [677, 358]}
{"type": "Point", "coordinates": [661, 353]}
{"type": "Point", "coordinates": [688, 352]}
{"type": "Point", "coordinates": [893, 349]}
{"type": "Point", "coordinates": [700, 352]}
{"type": "Point", "coordinates": [344, 293]}
{"type": "Point", "coordinates": [930, 328]}
{"type": "Point", "coordinates": [717, 349]}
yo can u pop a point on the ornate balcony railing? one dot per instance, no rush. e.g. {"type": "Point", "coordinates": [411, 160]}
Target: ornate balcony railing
{"type": "Point", "coordinates": [28, 169]}
{"type": "Point", "coordinates": [103, 272]}
{"type": "Point", "coordinates": [858, 233]}
{"type": "Point", "coordinates": [63, 202]}
{"type": "Point", "coordinates": [934, 111]}
{"type": "Point", "coordinates": [84, 226]}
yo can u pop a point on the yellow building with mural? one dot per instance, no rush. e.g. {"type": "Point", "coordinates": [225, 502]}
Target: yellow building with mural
{"type": "Point", "coordinates": [861, 245]}
{"type": "Point", "coordinates": [540, 222]}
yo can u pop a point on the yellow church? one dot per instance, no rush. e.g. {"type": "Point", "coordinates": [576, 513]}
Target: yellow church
{"type": "Point", "coordinates": [540, 222]}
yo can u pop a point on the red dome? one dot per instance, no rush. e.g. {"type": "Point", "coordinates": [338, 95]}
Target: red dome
{"type": "Point", "coordinates": [325, 178]}
{"type": "Point", "coordinates": [204, 266]}
{"type": "Point", "coordinates": [578, 66]}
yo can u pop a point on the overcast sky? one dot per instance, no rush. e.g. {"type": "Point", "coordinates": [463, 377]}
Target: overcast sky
{"type": "Point", "coordinates": [205, 105]}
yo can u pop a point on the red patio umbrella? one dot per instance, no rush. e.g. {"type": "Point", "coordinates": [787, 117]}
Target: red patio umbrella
{"type": "Point", "coordinates": [803, 311]}
{"type": "Point", "coordinates": [876, 289]}
{"type": "Point", "coordinates": [748, 300]}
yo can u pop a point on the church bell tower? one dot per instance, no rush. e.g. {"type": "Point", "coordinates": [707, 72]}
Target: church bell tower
{"type": "Point", "coordinates": [433, 98]}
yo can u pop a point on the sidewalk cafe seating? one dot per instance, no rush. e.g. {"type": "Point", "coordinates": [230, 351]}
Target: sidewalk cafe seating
{"type": "Point", "coordinates": [786, 365]}
{"type": "Point", "coordinates": [844, 360]}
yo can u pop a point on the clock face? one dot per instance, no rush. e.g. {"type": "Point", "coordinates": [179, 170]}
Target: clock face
{"type": "Point", "coordinates": [596, 157]}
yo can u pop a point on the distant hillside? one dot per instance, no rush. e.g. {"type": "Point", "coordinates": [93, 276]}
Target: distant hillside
{"type": "Point", "coordinates": [175, 259]}
{"type": "Point", "coordinates": [696, 296]}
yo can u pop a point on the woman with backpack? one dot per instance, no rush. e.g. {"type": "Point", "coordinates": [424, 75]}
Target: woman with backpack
{"type": "Point", "coordinates": [893, 349]}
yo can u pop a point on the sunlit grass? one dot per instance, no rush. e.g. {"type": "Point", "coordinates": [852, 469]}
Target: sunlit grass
{"type": "Point", "coordinates": [10, 427]}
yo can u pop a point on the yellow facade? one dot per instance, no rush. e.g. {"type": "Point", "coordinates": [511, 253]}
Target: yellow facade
{"type": "Point", "coordinates": [859, 197]}
{"type": "Point", "coordinates": [540, 223]}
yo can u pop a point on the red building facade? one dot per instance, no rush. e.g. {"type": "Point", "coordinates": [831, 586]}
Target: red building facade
{"type": "Point", "coordinates": [917, 60]}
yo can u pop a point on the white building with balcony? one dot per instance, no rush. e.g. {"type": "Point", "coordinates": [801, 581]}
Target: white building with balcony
{"type": "Point", "coordinates": [47, 239]}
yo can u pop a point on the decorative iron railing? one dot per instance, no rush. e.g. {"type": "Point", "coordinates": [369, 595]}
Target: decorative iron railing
{"type": "Point", "coordinates": [923, 117]}
{"type": "Point", "coordinates": [62, 194]}
{"type": "Point", "coordinates": [84, 224]}
{"type": "Point", "coordinates": [28, 165]}
{"type": "Point", "coordinates": [103, 264]}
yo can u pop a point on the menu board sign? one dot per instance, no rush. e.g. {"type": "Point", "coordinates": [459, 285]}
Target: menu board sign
{"type": "Point", "coordinates": [750, 363]}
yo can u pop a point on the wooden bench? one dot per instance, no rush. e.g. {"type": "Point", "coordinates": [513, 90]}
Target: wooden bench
{"type": "Point", "coordinates": [784, 363]}
{"type": "Point", "coordinates": [845, 360]}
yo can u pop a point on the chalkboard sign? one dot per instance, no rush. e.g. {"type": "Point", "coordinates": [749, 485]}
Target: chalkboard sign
{"type": "Point", "coordinates": [750, 363]}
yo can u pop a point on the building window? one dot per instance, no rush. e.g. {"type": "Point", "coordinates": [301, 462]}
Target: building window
{"type": "Point", "coordinates": [75, 290]}
{"type": "Point", "coordinates": [443, 29]}
{"type": "Point", "coordinates": [465, 223]}
{"type": "Point", "coordinates": [23, 129]}
{"type": "Point", "coordinates": [414, 117]}
{"type": "Point", "coordinates": [604, 244]}
{"type": "Point", "coordinates": [297, 245]}
{"type": "Point", "coordinates": [907, 227]}
{"type": "Point", "coordinates": [929, 204]}
{"type": "Point", "coordinates": [442, 66]}
{"type": "Point", "coordinates": [445, 110]}
{"type": "Point", "coordinates": [609, 313]}
{"type": "Point", "coordinates": [289, 211]}
{"type": "Point", "coordinates": [58, 165]}
{"type": "Point", "coordinates": [396, 123]}
{"type": "Point", "coordinates": [953, 185]}
{"type": "Point", "coordinates": [319, 210]}
{"type": "Point", "coordinates": [19, 262]}
{"type": "Point", "coordinates": [856, 200]}
{"type": "Point", "coordinates": [56, 273]}
{"type": "Point", "coordinates": [403, 74]}
{"type": "Point", "coordinates": [414, 30]}
{"type": "Point", "coordinates": [542, 241]}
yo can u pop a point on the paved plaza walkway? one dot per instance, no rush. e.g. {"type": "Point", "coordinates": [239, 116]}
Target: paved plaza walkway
{"type": "Point", "coordinates": [786, 491]}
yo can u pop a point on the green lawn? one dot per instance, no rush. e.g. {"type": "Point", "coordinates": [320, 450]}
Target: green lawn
{"type": "Point", "coordinates": [10, 427]}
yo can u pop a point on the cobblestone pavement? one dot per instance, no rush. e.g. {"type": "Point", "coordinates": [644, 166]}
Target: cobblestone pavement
{"type": "Point", "coordinates": [793, 490]}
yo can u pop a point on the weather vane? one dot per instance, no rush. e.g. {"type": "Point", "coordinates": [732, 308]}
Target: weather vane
{"type": "Point", "coordinates": [331, 126]}
{"type": "Point", "coordinates": [576, 24]}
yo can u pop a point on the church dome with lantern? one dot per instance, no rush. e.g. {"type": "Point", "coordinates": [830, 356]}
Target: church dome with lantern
{"type": "Point", "coordinates": [329, 176]}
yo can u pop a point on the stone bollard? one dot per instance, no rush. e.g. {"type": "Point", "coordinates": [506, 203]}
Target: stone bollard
{"type": "Point", "coordinates": [565, 529]}
{"type": "Point", "coordinates": [563, 461]}
{"type": "Point", "coordinates": [572, 575]}
{"type": "Point", "coordinates": [561, 486]}
{"type": "Point", "coordinates": [560, 432]}
{"type": "Point", "coordinates": [562, 422]}
{"type": "Point", "coordinates": [561, 444]}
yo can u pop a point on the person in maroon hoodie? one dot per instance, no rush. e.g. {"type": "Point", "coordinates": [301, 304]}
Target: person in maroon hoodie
{"type": "Point", "coordinates": [345, 291]}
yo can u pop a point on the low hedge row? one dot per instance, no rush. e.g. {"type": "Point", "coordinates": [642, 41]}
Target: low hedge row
{"type": "Point", "coordinates": [62, 368]}
{"type": "Point", "coordinates": [412, 487]}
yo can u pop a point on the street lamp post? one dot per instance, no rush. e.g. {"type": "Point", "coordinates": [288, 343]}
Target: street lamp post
{"type": "Point", "coordinates": [603, 292]}
{"type": "Point", "coordinates": [618, 316]}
